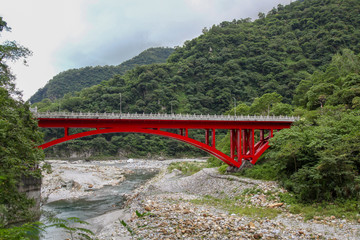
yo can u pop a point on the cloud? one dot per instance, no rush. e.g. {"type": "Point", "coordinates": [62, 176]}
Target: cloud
{"type": "Point", "coordinates": [42, 26]}
{"type": "Point", "coordinates": [77, 33]}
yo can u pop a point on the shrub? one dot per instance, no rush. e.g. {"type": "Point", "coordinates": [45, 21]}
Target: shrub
{"type": "Point", "coordinates": [321, 161]}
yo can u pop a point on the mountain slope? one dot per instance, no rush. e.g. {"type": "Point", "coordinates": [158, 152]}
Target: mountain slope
{"type": "Point", "coordinates": [76, 79]}
{"type": "Point", "coordinates": [239, 60]}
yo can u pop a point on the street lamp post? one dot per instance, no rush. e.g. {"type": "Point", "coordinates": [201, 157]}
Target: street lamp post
{"type": "Point", "coordinates": [120, 104]}
{"type": "Point", "coordinates": [235, 105]}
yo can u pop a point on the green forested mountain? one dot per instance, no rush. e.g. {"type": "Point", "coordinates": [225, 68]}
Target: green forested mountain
{"type": "Point", "coordinates": [76, 79]}
{"type": "Point", "coordinates": [272, 54]}
{"type": "Point", "coordinates": [239, 59]}
{"type": "Point", "coordinates": [299, 59]}
{"type": "Point", "coordinates": [318, 158]}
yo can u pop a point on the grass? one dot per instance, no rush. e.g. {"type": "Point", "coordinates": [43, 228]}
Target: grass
{"type": "Point", "coordinates": [231, 206]}
{"type": "Point", "coordinates": [348, 209]}
{"type": "Point", "coordinates": [265, 171]}
{"type": "Point", "coordinates": [187, 168]}
{"type": "Point", "coordinates": [222, 168]}
{"type": "Point", "coordinates": [344, 209]}
{"type": "Point", "coordinates": [253, 191]}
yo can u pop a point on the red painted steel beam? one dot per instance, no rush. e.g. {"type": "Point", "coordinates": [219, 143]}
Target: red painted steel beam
{"type": "Point", "coordinates": [212, 150]}
{"type": "Point", "coordinates": [153, 123]}
{"type": "Point", "coordinates": [242, 133]}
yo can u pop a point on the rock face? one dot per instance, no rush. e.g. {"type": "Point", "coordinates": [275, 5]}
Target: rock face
{"type": "Point", "coordinates": [32, 188]}
{"type": "Point", "coordinates": [76, 179]}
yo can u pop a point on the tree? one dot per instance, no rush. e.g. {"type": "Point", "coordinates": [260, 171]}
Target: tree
{"type": "Point", "coordinates": [320, 161]}
{"type": "Point", "coordinates": [281, 109]}
{"type": "Point", "coordinates": [19, 136]}
{"type": "Point", "coordinates": [10, 51]}
{"type": "Point", "coordinates": [263, 104]}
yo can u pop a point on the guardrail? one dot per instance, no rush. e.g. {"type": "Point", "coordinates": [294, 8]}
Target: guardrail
{"type": "Point", "coordinates": [161, 116]}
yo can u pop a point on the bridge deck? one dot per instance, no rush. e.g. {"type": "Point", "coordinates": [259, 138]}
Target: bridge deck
{"type": "Point", "coordinates": [129, 116]}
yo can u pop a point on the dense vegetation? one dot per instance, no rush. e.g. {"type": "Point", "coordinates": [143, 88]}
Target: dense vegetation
{"type": "Point", "coordinates": [319, 157]}
{"type": "Point", "coordinates": [19, 137]}
{"type": "Point", "coordinates": [239, 59]}
{"type": "Point", "coordinates": [76, 79]}
{"type": "Point", "coordinates": [299, 59]}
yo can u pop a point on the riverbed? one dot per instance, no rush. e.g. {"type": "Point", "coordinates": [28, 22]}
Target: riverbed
{"type": "Point", "coordinates": [91, 189]}
{"type": "Point", "coordinates": [175, 206]}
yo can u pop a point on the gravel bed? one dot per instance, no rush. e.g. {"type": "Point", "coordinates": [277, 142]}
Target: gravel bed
{"type": "Point", "coordinates": [166, 210]}
{"type": "Point", "coordinates": [75, 179]}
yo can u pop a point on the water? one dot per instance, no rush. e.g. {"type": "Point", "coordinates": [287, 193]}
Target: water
{"type": "Point", "coordinates": [104, 200]}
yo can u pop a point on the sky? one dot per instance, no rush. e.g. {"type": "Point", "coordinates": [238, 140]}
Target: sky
{"type": "Point", "coordinates": [70, 34]}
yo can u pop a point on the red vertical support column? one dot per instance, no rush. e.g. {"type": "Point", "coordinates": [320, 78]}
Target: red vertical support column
{"type": "Point", "coordinates": [186, 132]}
{"type": "Point", "coordinates": [252, 142]}
{"type": "Point", "coordinates": [181, 132]}
{"type": "Point", "coordinates": [244, 140]}
{"type": "Point", "coordinates": [261, 135]}
{"type": "Point", "coordinates": [66, 132]}
{"type": "Point", "coordinates": [271, 133]}
{"type": "Point", "coordinates": [232, 144]}
{"type": "Point", "coordinates": [213, 138]}
{"type": "Point", "coordinates": [248, 143]}
{"type": "Point", "coordinates": [207, 136]}
{"type": "Point", "coordinates": [238, 145]}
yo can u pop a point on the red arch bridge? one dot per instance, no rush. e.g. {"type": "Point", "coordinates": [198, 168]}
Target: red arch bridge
{"type": "Point", "coordinates": [249, 135]}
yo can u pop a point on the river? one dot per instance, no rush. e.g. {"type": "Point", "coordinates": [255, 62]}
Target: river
{"type": "Point", "coordinates": [103, 200]}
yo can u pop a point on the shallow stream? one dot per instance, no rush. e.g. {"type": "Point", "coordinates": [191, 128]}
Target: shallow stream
{"type": "Point", "coordinates": [103, 201]}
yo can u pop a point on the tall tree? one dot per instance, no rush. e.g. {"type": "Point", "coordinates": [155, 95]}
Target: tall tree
{"type": "Point", "coordinates": [10, 51]}
{"type": "Point", "coordinates": [19, 137]}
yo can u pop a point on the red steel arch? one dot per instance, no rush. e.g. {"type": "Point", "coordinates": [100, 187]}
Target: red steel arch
{"type": "Point", "coordinates": [242, 132]}
{"type": "Point", "coordinates": [225, 158]}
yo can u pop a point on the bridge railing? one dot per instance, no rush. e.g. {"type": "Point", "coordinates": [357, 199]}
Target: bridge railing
{"type": "Point", "coordinates": [162, 116]}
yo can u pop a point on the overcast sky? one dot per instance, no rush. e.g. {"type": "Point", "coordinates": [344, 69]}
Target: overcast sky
{"type": "Point", "coordinates": [70, 34]}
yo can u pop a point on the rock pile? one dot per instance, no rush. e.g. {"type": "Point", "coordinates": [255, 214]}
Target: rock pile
{"type": "Point", "coordinates": [165, 209]}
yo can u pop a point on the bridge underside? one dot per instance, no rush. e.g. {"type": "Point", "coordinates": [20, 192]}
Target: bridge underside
{"type": "Point", "coordinates": [245, 143]}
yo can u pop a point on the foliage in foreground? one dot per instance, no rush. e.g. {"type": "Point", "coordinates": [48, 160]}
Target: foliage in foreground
{"type": "Point", "coordinates": [30, 231]}
{"type": "Point", "coordinates": [72, 227]}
